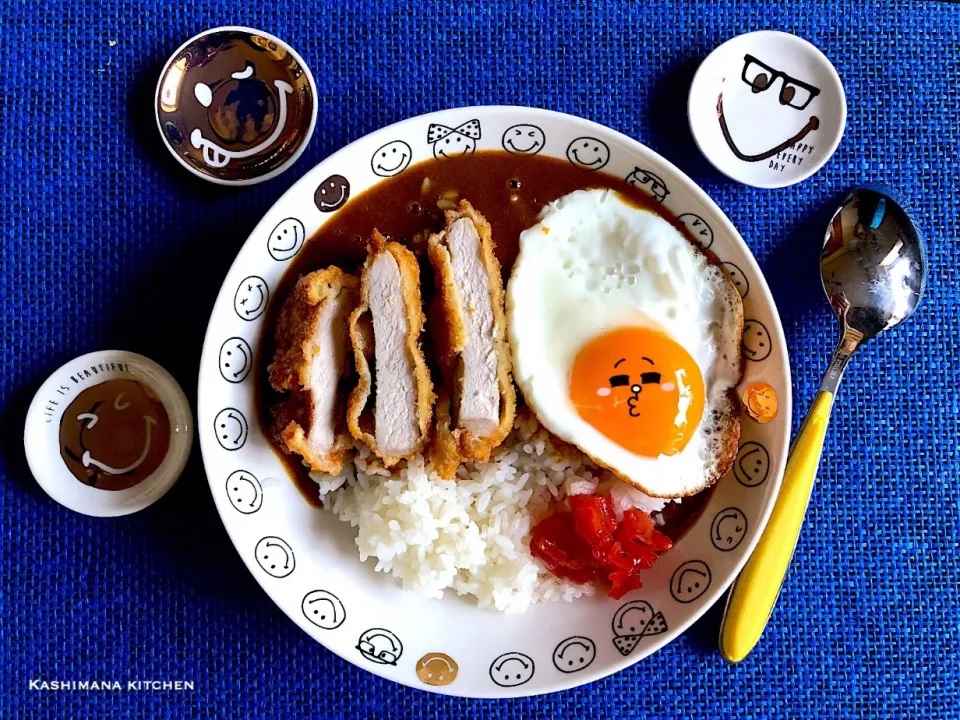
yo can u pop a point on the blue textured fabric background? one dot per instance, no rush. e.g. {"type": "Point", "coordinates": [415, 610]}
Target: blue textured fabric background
{"type": "Point", "coordinates": [106, 242]}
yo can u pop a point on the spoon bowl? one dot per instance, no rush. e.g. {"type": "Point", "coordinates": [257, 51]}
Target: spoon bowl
{"type": "Point", "coordinates": [873, 269]}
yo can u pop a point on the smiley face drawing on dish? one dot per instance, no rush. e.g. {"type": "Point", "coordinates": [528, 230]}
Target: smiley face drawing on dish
{"type": "Point", "coordinates": [574, 654]}
{"type": "Point", "coordinates": [323, 609]}
{"type": "Point", "coordinates": [391, 159]}
{"type": "Point", "coordinates": [588, 152]}
{"type": "Point", "coordinates": [633, 621]}
{"type": "Point", "coordinates": [766, 110]}
{"type": "Point", "coordinates": [250, 301]}
{"type": "Point", "coordinates": [114, 434]}
{"type": "Point", "coordinates": [236, 360]}
{"type": "Point", "coordinates": [690, 581]}
{"type": "Point", "coordinates": [231, 428]}
{"type": "Point", "coordinates": [332, 193]}
{"type": "Point", "coordinates": [739, 279]}
{"type": "Point", "coordinates": [380, 646]}
{"type": "Point", "coordinates": [286, 239]}
{"type": "Point", "coordinates": [699, 228]}
{"type": "Point", "coordinates": [242, 109]}
{"type": "Point", "coordinates": [454, 142]}
{"type": "Point", "coordinates": [649, 182]}
{"type": "Point", "coordinates": [244, 492]}
{"type": "Point", "coordinates": [752, 464]}
{"type": "Point", "coordinates": [235, 104]}
{"type": "Point", "coordinates": [756, 340]}
{"type": "Point", "coordinates": [511, 669]}
{"type": "Point", "coordinates": [523, 140]}
{"type": "Point", "coordinates": [640, 388]}
{"type": "Point", "coordinates": [275, 556]}
{"type": "Point", "coordinates": [437, 669]}
{"type": "Point", "coordinates": [728, 529]}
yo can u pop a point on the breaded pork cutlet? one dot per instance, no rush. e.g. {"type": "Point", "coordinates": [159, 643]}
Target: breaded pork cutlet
{"type": "Point", "coordinates": [478, 403]}
{"type": "Point", "coordinates": [385, 332]}
{"type": "Point", "coordinates": [312, 359]}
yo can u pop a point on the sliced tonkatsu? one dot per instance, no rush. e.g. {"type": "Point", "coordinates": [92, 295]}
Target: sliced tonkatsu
{"type": "Point", "coordinates": [311, 361]}
{"type": "Point", "coordinates": [385, 333]}
{"type": "Point", "coordinates": [476, 409]}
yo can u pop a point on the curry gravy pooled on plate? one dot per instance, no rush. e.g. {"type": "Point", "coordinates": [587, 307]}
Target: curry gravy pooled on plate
{"type": "Point", "coordinates": [460, 519]}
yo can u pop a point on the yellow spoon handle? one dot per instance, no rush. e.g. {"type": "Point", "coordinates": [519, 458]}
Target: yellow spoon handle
{"type": "Point", "coordinates": [753, 596]}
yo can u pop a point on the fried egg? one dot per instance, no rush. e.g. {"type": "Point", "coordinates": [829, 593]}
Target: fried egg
{"type": "Point", "coordinates": [626, 342]}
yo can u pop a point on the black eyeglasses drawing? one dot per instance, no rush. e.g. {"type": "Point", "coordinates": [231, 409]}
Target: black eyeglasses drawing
{"type": "Point", "coordinates": [794, 93]}
{"type": "Point", "coordinates": [760, 76]}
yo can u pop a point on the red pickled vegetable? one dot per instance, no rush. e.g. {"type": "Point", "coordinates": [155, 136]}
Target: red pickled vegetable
{"type": "Point", "coordinates": [638, 536]}
{"type": "Point", "coordinates": [566, 554]}
{"type": "Point", "coordinates": [587, 543]}
{"type": "Point", "coordinates": [593, 518]}
{"type": "Point", "coordinates": [622, 582]}
{"type": "Point", "coordinates": [635, 525]}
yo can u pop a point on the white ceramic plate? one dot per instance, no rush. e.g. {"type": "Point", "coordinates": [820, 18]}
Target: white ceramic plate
{"type": "Point", "coordinates": [304, 558]}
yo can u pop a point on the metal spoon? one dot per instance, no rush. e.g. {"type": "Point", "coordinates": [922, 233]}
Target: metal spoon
{"type": "Point", "coordinates": [873, 268]}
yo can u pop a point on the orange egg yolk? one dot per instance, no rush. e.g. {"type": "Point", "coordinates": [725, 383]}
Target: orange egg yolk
{"type": "Point", "coordinates": [639, 388]}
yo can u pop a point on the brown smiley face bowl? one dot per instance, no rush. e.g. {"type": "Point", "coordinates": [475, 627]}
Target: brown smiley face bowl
{"type": "Point", "coordinates": [236, 106]}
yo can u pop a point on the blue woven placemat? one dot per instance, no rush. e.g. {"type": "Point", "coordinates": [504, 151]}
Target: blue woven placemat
{"type": "Point", "coordinates": [107, 243]}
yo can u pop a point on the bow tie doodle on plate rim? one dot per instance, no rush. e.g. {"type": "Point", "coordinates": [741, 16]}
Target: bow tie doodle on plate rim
{"type": "Point", "coordinates": [453, 142]}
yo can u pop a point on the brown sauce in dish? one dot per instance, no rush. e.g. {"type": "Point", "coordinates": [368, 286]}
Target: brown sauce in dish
{"type": "Point", "coordinates": [114, 434]}
{"type": "Point", "coordinates": [509, 190]}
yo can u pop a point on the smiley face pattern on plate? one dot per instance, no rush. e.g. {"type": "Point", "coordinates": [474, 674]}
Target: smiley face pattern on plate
{"type": "Point", "coordinates": [251, 298]}
{"type": "Point", "coordinates": [632, 622]}
{"type": "Point", "coordinates": [756, 342]}
{"type": "Point", "coordinates": [286, 239]}
{"type": "Point", "coordinates": [453, 142]}
{"type": "Point", "coordinates": [323, 609]}
{"type": "Point", "coordinates": [728, 529]}
{"type": "Point", "coordinates": [437, 669]}
{"type": "Point", "coordinates": [512, 669]}
{"type": "Point", "coordinates": [690, 581]}
{"type": "Point", "coordinates": [739, 279]}
{"type": "Point", "coordinates": [231, 428]}
{"type": "Point", "coordinates": [332, 194]}
{"type": "Point", "coordinates": [752, 464]}
{"type": "Point", "coordinates": [236, 360]}
{"type": "Point", "coordinates": [275, 556]}
{"type": "Point", "coordinates": [699, 228]}
{"type": "Point", "coordinates": [380, 646]}
{"type": "Point", "coordinates": [391, 159]}
{"type": "Point", "coordinates": [589, 153]}
{"type": "Point", "coordinates": [650, 182]}
{"type": "Point", "coordinates": [523, 140]}
{"type": "Point", "coordinates": [244, 492]}
{"type": "Point", "coordinates": [574, 654]}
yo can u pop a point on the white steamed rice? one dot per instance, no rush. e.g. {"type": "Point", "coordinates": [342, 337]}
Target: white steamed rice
{"type": "Point", "coordinates": [470, 534]}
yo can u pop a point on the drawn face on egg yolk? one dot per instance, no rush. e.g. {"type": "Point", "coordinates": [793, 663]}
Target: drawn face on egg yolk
{"type": "Point", "coordinates": [639, 388]}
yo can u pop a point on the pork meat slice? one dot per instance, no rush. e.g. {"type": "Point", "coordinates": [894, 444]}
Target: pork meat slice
{"type": "Point", "coordinates": [395, 414]}
{"type": "Point", "coordinates": [478, 409]}
{"type": "Point", "coordinates": [471, 339]}
{"type": "Point", "coordinates": [311, 361]}
{"type": "Point", "coordinates": [399, 379]}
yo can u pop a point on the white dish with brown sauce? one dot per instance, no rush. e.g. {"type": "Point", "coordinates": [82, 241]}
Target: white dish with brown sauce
{"type": "Point", "coordinates": [508, 163]}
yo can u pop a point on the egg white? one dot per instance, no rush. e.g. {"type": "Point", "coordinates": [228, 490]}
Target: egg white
{"type": "Point", "coordinates": [594, 263]}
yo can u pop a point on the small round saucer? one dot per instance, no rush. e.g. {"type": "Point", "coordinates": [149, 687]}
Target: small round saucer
{"type": "Point", "coordinates": [236, 106]}
{"type": "Point", "coordinates": [767, 109]}
{"type": "Point", "coordinates": [108, 433]}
